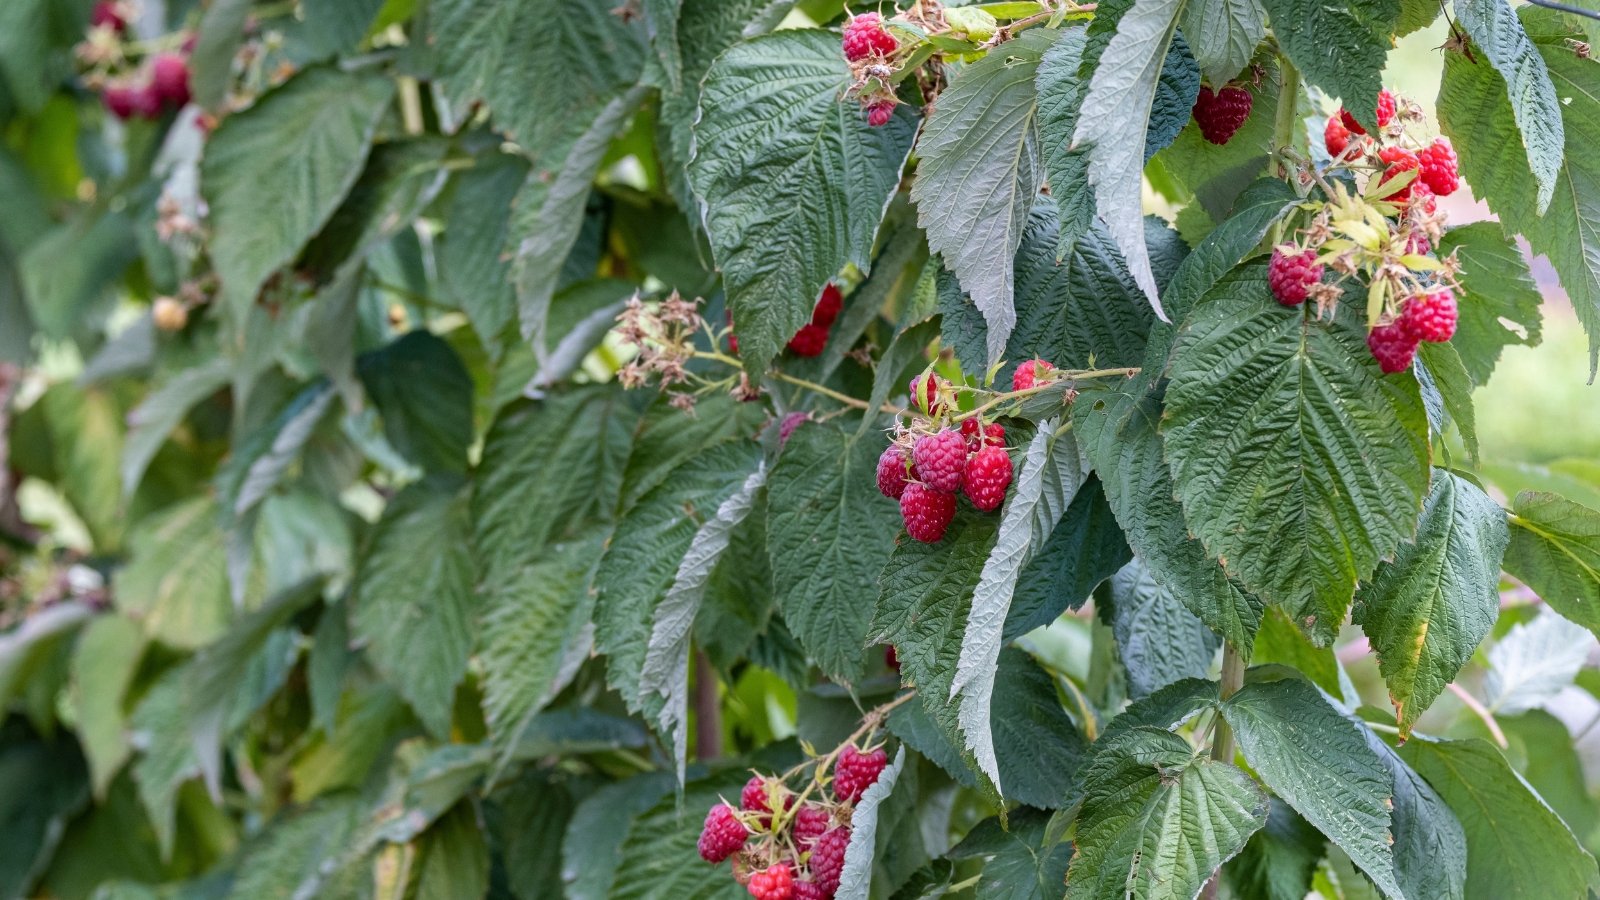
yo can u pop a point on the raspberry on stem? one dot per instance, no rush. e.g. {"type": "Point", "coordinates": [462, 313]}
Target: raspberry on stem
{"type": "Point", "coordinates": [940, 458]}
{"type": "Point", "coordinates": [1392, 347]}
{"type": "Point", "coordinates": [1430, 317]}
{"type": "Point", "coordinates": [1399, 160]}
{"type": "Point", "coordinates": [827, 859]}
{"type": "Point", "coordinates": [1221, 114]}
{"type": "Point", "coordinates": [1292, 275]}
{"type": "Point", "coordinates": [1336, 137]}
{"type": "Point", "coordinates": [855, 771]}
{"type": "Point", "coordinates": [892, 471]}
{"type": "Point", "coordinates": [810, 821]}
{"type": "Point", "coordinates": [1028, 374]}
{"type": "Point", "coordinates": [987, 477]}
{"type": "Point", "coordinates": [994, 434]}
{"type": "Point", "coordinates": [926, 512]}
{"type": "Point", "coordinates": [169, 79]}
{"type": "Point", "coordinates": [722, 835]}
{"type": "Point", "coordinates": [773, 883]}
{"type": "Point", "coordinates": [879, 113]}
{"type": "Point", "coordinates": [1438, 165]}
{"type": "Point", "coordinates": [1385, 113]}
{"type": "Point", "coordinates": [865, 36]}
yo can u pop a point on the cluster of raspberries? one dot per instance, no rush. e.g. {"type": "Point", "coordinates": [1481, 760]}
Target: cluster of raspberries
{"type": "Point", "coordinates": [867, 43]}
{"type": "Point", "coordinates": [926, 466]}
{"type": "Point", "coordinates": [798, 854]}
{"type": "Point", "coordinates": [162, 85]}
{"type": "Point", "coordinates": [1429, 315]}
{"type": "Point", "coordinates": [812, 336]}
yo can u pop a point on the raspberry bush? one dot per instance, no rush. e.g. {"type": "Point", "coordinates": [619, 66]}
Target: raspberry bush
{"type": "Point", "coordinates": [725, 448]}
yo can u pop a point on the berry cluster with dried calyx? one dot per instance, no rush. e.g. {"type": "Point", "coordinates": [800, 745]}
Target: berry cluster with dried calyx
{"type": "Point", "coordinates": [664, 335]}
{"type": "Point", "coordinates": [1382, 234]}
{"type": "Point", "coordinates": [133, 82]}
{"type": "Point", "coordinates": [788, 834]}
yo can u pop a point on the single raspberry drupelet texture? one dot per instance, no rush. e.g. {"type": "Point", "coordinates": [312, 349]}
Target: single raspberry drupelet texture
{"type": "Point", "coordinates": [754, 796]}
{"type": "Point", "coordinates": [855, 771]}
{"type": "Point", "coordinates": [722, 835]}
{"type": "Point", "coordinates": [810, 821]}
{"type": "Point", "coordinates": [1221, 114]}
{"type": "Point", "coordinates": [1385, 112]}
{"type": "Point", "coordinates": [1431, 317]}
{"type": "Point", "coordinates": [773, 883]}
{"type": "Point", "coordinates": [926, 512]}
{"type": "Point", "coordinates": [1399, 159]}
{"type": "Point", "coordinates": [925, 393]}
{"type": "Point", "coordinates": [994, 434]}
{"type": "Point", "coordinates": [809, 340]}
{"type": "Point", "coordinates": [1438, 162]}
{"type": "Point", "coordinates": [864, 35]}
{"type": "Point", "coordinates": [810, 890]}
{"type": "Point", "coordinates": [1291, 275]}
{"type": "Point", "coordinates": [940, 459]}
{"type": "Point", "coordinates": [1392, 347]}
{"type": "Point", "coordinates": [169, 78]}
{"type": "Point", "coordinates": [892, 472]}
{"type": "Point", "coordinates": [1336, 137]}
{"type": "Point", "coordinates": [987, 477]}
{"type": "Point", "coordinates": [1028, 374]}
{"type": "Point", "coordinates": [879, 114]}
{"type": "Point", "coordinates": [827, 859]}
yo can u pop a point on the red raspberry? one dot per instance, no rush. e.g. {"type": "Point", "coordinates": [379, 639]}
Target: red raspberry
{"type": "Point", "coordinates": [1423, 197]}
{"type": "Point", "coordinates": [1417, 243]}
{"type": "Point", "coordinates": [1385, 112]}
{"type": "Point", "coordinates": [864, 36]}
{"type": "Point", "coordinates": [988, 475]}
{"type": "Point", "coordinates": [879, 114]}
{"type": "Point", "coordinates": [1430, 317]}
{"type": "Point", "coordinates": [1399, 160]}
{"type": "Point", "coordinates": [1028, 373]}
{"type": "Point", "coordinates": [774, 883]}
{"type": "Point", "coordinates": [1392, 347]}
{"type": "Point", "coordinates": [940, 459]}
{"type": "Point", "coordinates": [828, 306]}
{"type": "Point", "coordinates": [925, 393]}
{"type": "Point", "coordinates": [1336, 136]}
{"type": "Point", "coordinates": [810, 821]}
{"type": "Point", "coordinates": [810, 890]}
{"type": "Point", "coordinates": [994, 434]}
{"type": "Point", "coordinates": [891, 657]}
{"type": "Point", "coordinates": [855, 771]}
{"type": "Point", "coordinates": [927, 512]}
{"type": "Point", "coordinates": [827, 859]}
{"type": "Point", "coordinates": [106, 13]}
{"type": "Point", "coordinates": [169, 79]}
{"type": "Point", "coordinates": [122, 100]}
{"type": "Point", "coordinates": [1291, 275]}
{"type": "Point", "coordinates": [809, 340]}
{"type": "Point", "coordinates": [733, 339]}
{"type": "Point", "coordinates": [722, 835]}
{"type": "Point", "coordinates": [892, 472]}
{"type": "Point", "coordinates": [1438, 162]}
{"type": "Point", "coordinates": [1220, 115]}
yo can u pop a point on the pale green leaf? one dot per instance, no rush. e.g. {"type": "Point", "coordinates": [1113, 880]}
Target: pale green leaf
{"type": "Point", "coordinates": [217, 39]}
{"type": "Point", "coordinates": [103, 667]}
{"type": "Point", "coordinates": [1497, 33]}
{"type": "Point", "coordinates": [175, 584]}
{"type": "Point", "coordinates": [301, 852]}
{"type": "Point", "coordinates": [1534, 662]}
{"type": "Point", "coordinates": [1555, 549]}
{"type": "Point", "coordinates": [1061, 88]}
{"type": "Point", "coordinates": [163, 410]}
{"type": "Point", "coordinates": [453, 857]}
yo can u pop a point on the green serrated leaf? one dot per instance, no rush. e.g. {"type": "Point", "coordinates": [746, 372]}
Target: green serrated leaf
{"type": "Point", "coordinates": [275, 173]}
{"type": "Point", "coordinates": [1426, 611]}
{"type": "Point", "coordinates": [162, 411]}
{"type": "Point", "coordinates": [103, 667]}
{"type": "Point", "coordinates": [1430, 848]}
{"type": "Point", "coordinates": [1340, 48]}
{"type": "Point", "coordinates": [649, 865]}
{"type": "Point", "coordinates": [1278, 862]}
{"type": "Point", "coordinates": [176, 583]}
{"type": "Point", "coordinates": [1442, 372]}
{"type": "Point", "coordinates": [1022, 861]}
{"type": "Point", "coordinates": [424, 393]}
{"type": "Point", "coordinates": [978, 174]}
{"type": "Point", "coordinates": [1224, 35]}
{"type": "Point", "coordinates": [1317, 761]}
{"type": "Point", "coordinates": [1516, 846]}
{"type": "Point", "coordinates": [1301, 486]}
{"type": "Point", "coordinates": [1159, 641]}
{"type": "Point", "coordinates": [1555, 549]}
{"type": "Point", "coordinates": [780, 160]}
{"type": "Point", "coordinates": [1496, 285]}
{"type": "Point", "coordinates": [1158, 819]}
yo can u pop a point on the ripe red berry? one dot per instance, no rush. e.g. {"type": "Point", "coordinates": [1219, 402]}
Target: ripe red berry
{"type": "Point", "coordinates": [753, 798]}
{"type": "Point", "coordinates": [106, 13]}
{"type": "Point", "coordinates": [810, 821]}
{"type": "Point", "coordinates": [925, 393]}
{"type": "Point", "coordinates": [855, 771]}
{"type": "Point", "coordinates": [864, 35]}
{"type": "Point", "coordinates": [828, 306]}
{"type": "Point", "coordinates": [987, 477]}
{"type": "Point", "coordinates": [1385, 113]}
{"type": "Point", "coordinates": [809, 340]}
{"type": "Point", "coordinates": [810, 890]}
{"type": "Point", "coordinates": [722, 835]}
{"type": "Point", "coordinates": [1221, 114]}
{"type": "Point", "coordinates": [1291, 275]}
{"type": "Point", "coordinates": [1438, 162]}
{"type": "Point", "coordinates": [773, 883]}
{"type": "Point", "coordinates": [994, 434]}
{"type": "Point", "coordinates": [1336, 136]}
{"type": "Point", "coordinates": [892, 472]}
{"type": "Point", "coordinates": [940, 459]}
{"type": "Point", "coordinates": [891, 657]}
{"type": "Point", "coordinates": [1028, 374]}
{"type": "Point", "coordinates": [879, 114]}
{"type": "Point", "coordinates": [122, 100]}
{"type": "Point", "coordinates": [1392, 347]}
{"type": "Point", "coordinates": [1423, 197]}
{"type": "Point", "coordinates": [926, 512]}
{"type": "Point", "coordinates": [169, 79]}
{"type": "Point", "coordinates": [1399, 160]}
{"type": "Point", "coordinates": [1430, 317]}
{"type": "Point", "coordinates": [827, 859]}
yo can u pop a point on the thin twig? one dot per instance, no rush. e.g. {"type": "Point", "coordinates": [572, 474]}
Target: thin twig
{"type": "Point", "coordinates": [1482, 712]}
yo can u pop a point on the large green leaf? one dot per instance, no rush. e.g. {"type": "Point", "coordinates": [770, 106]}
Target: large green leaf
{"type": "Point", "coordinates": [1052, 470]}
{"type": "Point", "coordinates": [276, 172]}
{"type": "Point", "coordinates": [1086, 548]}
{"type": "Point", "coordinates": [1278, 862]}
{"type": "Point", "coordinates": [1118, 430]}
{"type": "Point", "coordinates": [453, 857]}
{"type": "Point", "coordinates": [1426, 611]}
{"type": "Point", "coordinates": [42, 785]}
{"type": "Point", "coordinates": [1555, 549]}
{"type": "Point", "coordinates": [1159, 641]}
{"type": "Point", "coordinates": [1061, 87]}
{"type": "Point", "coordinates": [1476, 112]}
{"type": "Point", "coordinates": [217, 39]}
{"type": "Point", "coordinates": [473, 271]}
{"type": "Point", "coordinates": [175, 584]}
{"type": "Point", "coordinates": [1497, 34]}
{"type": "Point", "coordinates": [1119, 95]}
{"type": "Point", "coordinates": [657, 859]}
{"type": "Point", "coordinates": [1339, 47]}
{"type": "Point", "coordinates": [780, 162]}
{"type": "Point", "coordinates": [1319, 762]}
{"type": "Point", "coordinates": [1224, 35]}
{"type": "Point", "coordinates": [1516, 846]}
{"type": "Point", "coordinates": [413, 602]}
{"type": "Point", "coordinates": [1430, 848]}
{"type": "Point", "coordinates": [104, 664]}
{"type": "Point", "coordinates": [1299, 466]}
{"type": "Point", "coordinates": [302, 851]}
{"type": "Point", "coordinates": [1023, 862]}
{"type": "Point", "coordinates": [1496, 288]}
{"type": "Point", "coordinates": [424, 393]}
{"type": "Point", "coordinates": [828, 532]}
{"type": "Point", "coordinates": [666, 439]}
{"type": "Point", "coordinates": [978, 174]}
{"type": "Point", "coordinates": [1158, 819]}
{"type": "Point", "coordinates": [162, 411]}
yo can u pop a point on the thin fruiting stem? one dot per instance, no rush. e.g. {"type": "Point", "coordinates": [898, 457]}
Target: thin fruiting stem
{"type": "Point", "coordinates": [1481, 711]}
{"type": "Point", "coordinates": [1066, 376]}
{"type": "Point", "coordinates": [869, 723]}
